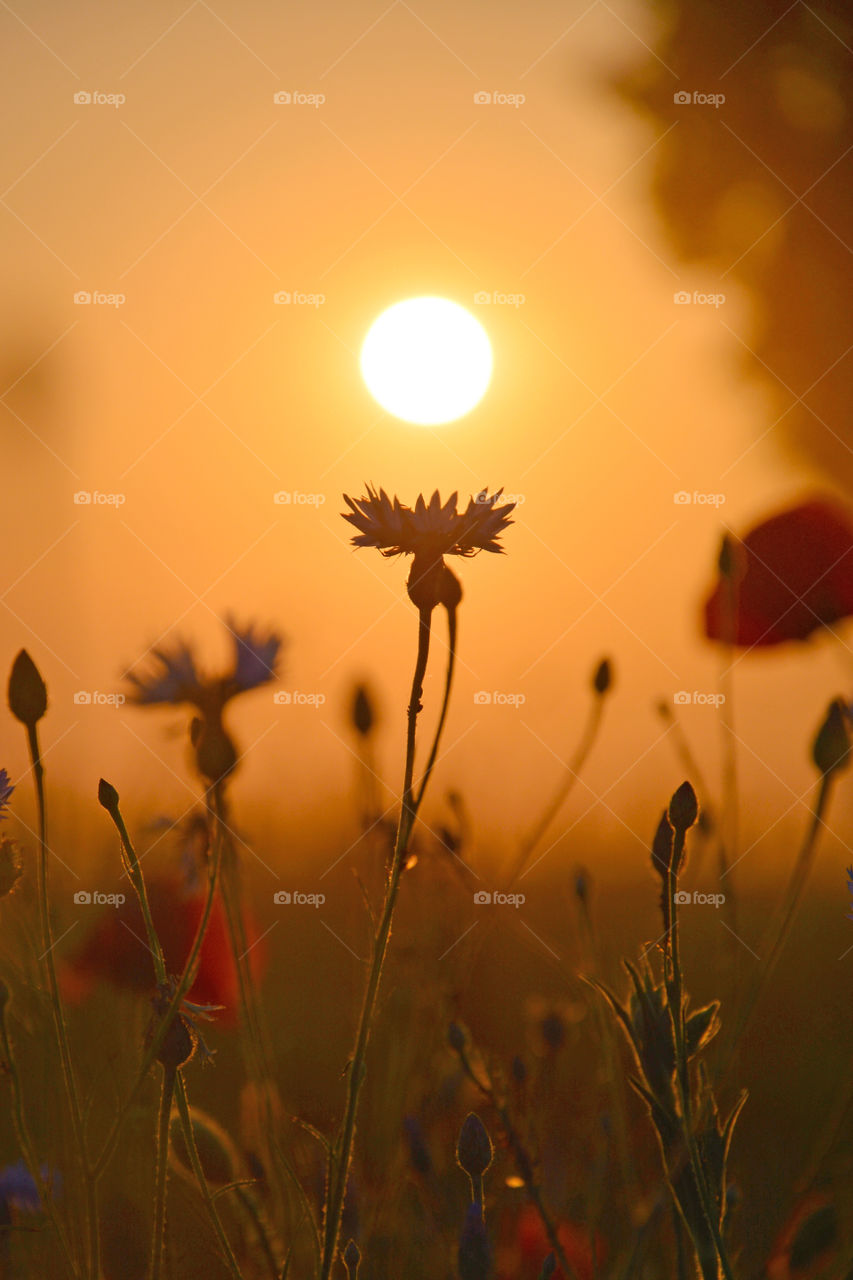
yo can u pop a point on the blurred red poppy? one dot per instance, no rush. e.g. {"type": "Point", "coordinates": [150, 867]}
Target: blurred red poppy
{"type": "Point", "coordinates": [789, 576]}
{"type": "Point", "coordinates": [807, 1243]}
{"type": "Point", "coordinates": [116, 951]}
{"type": "Point", "coordinates": [523, 1256]}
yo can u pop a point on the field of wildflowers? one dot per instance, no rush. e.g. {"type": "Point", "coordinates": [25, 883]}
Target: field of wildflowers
{"type": "Point", "coordinates": [176, 1105]}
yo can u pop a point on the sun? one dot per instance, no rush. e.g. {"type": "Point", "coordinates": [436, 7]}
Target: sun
{"type": "Point", "coordinates": [427, 360]}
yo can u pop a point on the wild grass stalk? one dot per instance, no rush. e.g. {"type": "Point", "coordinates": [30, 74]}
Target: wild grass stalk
{"type": "Point", "coordinates": [172, 1085]}
{"type": "Point", "coordinates": [341, 1152]}
{"type": "Point", "coordinates": [28, 703]}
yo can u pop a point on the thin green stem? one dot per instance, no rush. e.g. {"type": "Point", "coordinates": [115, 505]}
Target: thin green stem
{"type": "Point", "coordinates": [253, 1213]}
{"type": "Point", "coordinates": [159, 1237]}
{"type": "Point", "coordinates": [791, 902]}
{"type": "Point", "coordinates": [563, 790]}
{"type": "Point", "coordinates": [340, 1159]}
{"type": "Point", "coordinates": [184, 983]}
{"type": "Point", "coordinates": [445, 703]}
{"type": "Point", "coordinates": [134, 871]}
{"type": "Point", "coordinates": [58, 1012]}
{"type": "Point", "coordinates": [675, 996]}
{"type": "Point", "coordinates": [523, 1163]}
{"type": "Point", "coordinates": [195, 1162]}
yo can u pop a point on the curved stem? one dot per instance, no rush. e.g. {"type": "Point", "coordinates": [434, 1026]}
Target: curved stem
{"type": "Point", "coordinates": [793, 895]}
{"type": "Point", "coordinates": [448, 682]}
{"type": "Point", "coordinates": [340, 1159]}
{"type": "Point", "coordinates": [563, 791]}
{"type": "Point", "coordinates": [195, 1162]}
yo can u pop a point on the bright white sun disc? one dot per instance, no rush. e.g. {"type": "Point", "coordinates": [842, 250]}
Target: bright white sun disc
{"type": "Point", "coordinates": [427, 360]}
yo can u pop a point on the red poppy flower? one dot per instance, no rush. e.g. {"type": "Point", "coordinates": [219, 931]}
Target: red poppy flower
{"type": "Point", "coordinates": [116, 951]}
{"type": "Point", "coordinates": [523, 1257]}
{"type": "Point", "coordinates": [807, 1242]}
{"type": "Point", "coordinates": [789, 576]}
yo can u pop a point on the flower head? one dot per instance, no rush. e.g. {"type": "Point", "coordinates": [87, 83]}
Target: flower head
{"type": "Point", "coordinates": [177, 680]}
{"type": "Point", "coordinates": [18, 1186]}
{"type": "Point", "coordinates": [429, 529]}
{"type": "Point", "coordinates": [789, 576]}
{"type": "Point", "coordinates": [184, 1038]}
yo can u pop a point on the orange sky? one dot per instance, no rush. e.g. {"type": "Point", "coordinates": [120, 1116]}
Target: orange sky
{"type": "Point", "coordinates": [198, 397]}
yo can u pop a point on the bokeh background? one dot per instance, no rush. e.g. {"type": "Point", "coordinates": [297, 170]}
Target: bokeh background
{"type": "Point", "coordinates": [589, 192]}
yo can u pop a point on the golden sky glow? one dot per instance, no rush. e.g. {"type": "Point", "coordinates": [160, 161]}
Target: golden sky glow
{"type": "Point", "coordinates": [193, 257]}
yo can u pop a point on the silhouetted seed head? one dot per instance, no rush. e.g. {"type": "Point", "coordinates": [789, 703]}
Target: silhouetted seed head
{"type": "Point", "coordinates": [107, 796]}
{"type": "Point", "coordinates": [553, 1031]}
{"type": "Point", "coordinates": [683, 808]}
{"type": "Point", "coordinates": [216, 1151]}
{"type": "Point", "coordinates": [456, 1037]}
{"type": "Point", "coordinates": [27, 691]}
{"type": "Point", "coordinates": [179, 1045]}
{"type": "Point", "coordinates": [474, 1150]}
{"type": "Point", "coordinates": [602, 680]}
{"type": "Point", "coordinates": [352, 1259]}
{"type": "Point", "coordinates": [662, 846]}
{"type": "Point", "coordinates": [215, 753]}
{"type": "Point", "coordinates": [425, 584]}
{"type": "Point", "coordinates": [831, 750]}
{"type": "Point", "coordinates": [451, 589]}
{"type": "Point", "coordinates": [474, 1259]}
{"type": "Point", "coordinates": [11, 865]}
{"type": "Point", "coordinates": [519, 1070]}
{"type": "Point", "coordinates": [363, 717]}
{"type": "Point", "coordinates": [549, 1266]}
